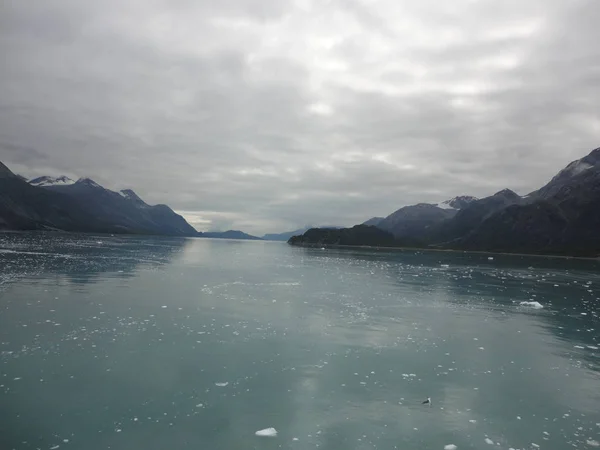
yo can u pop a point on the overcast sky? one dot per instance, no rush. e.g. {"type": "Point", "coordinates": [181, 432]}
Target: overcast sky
{"type": "Point", "coordinates": [266, 115]}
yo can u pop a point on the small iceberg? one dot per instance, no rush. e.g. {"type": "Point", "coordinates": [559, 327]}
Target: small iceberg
{"type": "Point", "coordinates": [223, 384]}
{"type": "Point", "coordinates": [267, 432]}
{"type": "Point", "coordinates": [535, 305]}
{"type": "Point", "coordinates": [450, 447]}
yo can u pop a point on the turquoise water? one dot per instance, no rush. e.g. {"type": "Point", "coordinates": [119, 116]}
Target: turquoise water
{"type": "Point", "coordinates": [150, 343]}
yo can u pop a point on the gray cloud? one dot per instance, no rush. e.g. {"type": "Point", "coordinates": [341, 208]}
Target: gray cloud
{"type": "Point", "coordinates": [269, 115]}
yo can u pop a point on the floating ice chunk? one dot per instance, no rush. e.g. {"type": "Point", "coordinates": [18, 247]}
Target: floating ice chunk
{"type": "Point", "coordinates": [593, 347]}
{"type": "Point", "coordinates": [490, 258]}
{"type": "Point", "coordinates": [222, 384]}
{"type": "Point", "coordinates": [533, 444]}
{"type": "Point", "coordinates": [592, 443]}
{"type": "Point", "coordinates": [450, 447]}
{"type": "Point", "coordinates": [535, 305]}
{"type": "Point", "coordinates": [164, 306]}
{"type": "Point", "coordinates": [518, 417]}
{"type": "Point", "coordinates": [580, 346]}
{"type": "Point", "coordinates": [489, 441]}
{"type": "Point", "coordinates": [55, 447]}
{"type": "Point", "coordinates": [295, 439]}
{"type": "Point", "coordinates": [267, 432]}
{"type": "Point", "coordinates": [472, 421]}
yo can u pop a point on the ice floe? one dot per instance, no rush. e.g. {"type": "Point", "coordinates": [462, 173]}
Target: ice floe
{"type": "Point", "coordinates": [267, 432]}
{"type": "Point", "coordinates": [534, 304]}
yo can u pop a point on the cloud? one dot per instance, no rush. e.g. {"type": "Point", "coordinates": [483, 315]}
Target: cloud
{"type": "Point", "coordinates": [270, 115]}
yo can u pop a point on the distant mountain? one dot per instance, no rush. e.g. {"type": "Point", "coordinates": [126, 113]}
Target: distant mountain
{"type": "Point", "coordinates": [230, 234]}
{"type": "Point", "coordinates": [62, 204]}
{"type": "Point", "coordinates": [284, 236]}
{"type": "Point", "coordinates": [373, 221]}
{"type": "Point", "coordinates": [415, 222]}
{"type": "Point", "coordinates": [357, 235]}
{"type": "Point", "coordinates": [470, 217]}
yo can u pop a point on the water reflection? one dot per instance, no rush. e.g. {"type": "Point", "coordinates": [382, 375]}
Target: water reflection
{"type": "Point", "coordinates": [81, 259]}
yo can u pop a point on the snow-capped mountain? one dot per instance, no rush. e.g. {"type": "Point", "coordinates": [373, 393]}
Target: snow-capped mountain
{"type": "Point", "coordinates": [51, 181]}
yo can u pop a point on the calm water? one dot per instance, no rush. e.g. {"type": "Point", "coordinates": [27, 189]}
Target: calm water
{"type": "Point", "coordinates": [146, 343]}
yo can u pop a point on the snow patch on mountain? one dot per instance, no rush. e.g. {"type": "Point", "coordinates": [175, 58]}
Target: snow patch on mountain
{"type": "Point", "coordinates": [457, 202]}
{"type": "Point", "coordinates": [51, 181]}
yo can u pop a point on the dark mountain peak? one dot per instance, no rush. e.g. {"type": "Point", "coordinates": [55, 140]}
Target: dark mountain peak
{"type": "Point", "coordinates": [130, 195]}
{"type": "Point", "coordinates": [46, 181]}
{"type": "Point", "coordinates": [5, 171]}
{"type": "Point", "coordinates": [507, 193]}
{"type": "Point", "coordinates": [88, 182]}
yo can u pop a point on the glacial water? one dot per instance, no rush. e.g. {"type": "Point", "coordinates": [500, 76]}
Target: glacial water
{"type": "Point", "coordinates": [156, 343]}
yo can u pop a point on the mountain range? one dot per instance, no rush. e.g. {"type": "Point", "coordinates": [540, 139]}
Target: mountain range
{"type": "Point", "coordinates": [561, 218]}
{"type": "Point", "coordinates": [60, 203]}
{"type": "Point", "coordinates": [285, 236]}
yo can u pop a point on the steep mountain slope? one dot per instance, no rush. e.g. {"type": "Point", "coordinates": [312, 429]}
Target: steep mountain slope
{"type": "Point", "coordinates": [563, 217]}
{"type": "Point", "coordinates": [575, 173]}
{"type": "Point", "coordinates": [374, 221]}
